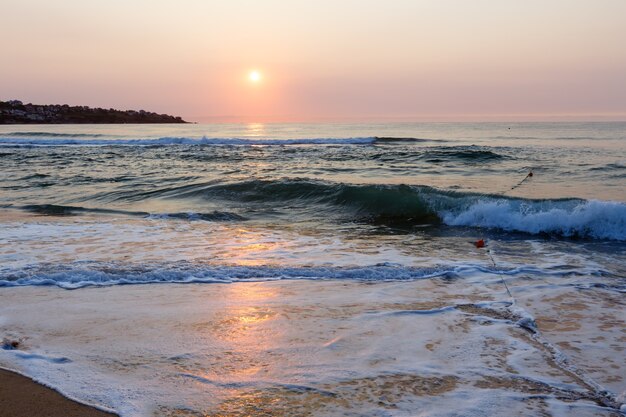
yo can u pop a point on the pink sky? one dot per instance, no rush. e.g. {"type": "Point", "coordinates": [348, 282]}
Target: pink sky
{"type": "Point", "coordinates": [321, 60]}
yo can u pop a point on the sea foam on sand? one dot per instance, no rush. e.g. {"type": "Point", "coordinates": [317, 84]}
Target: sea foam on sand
{"type": "Point", "coordinates": [437, 347]}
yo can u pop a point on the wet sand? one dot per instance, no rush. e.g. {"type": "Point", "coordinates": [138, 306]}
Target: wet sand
{"type": "Point", "coordinates": [21, 396]}
{"type": "Point", "coordinates": [439, 347]}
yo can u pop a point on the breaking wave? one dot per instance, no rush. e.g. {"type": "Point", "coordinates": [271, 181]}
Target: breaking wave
{"type": "Point", "coordinates": [79, 275]}
{"type": "Point", "coordinates": [76, 139]}
{"type": "Point", "coordinates": [573, 218]}
{"type": "Point", "coordinates": [69, 140]}
{"type": "Point", "coordinates": [426, 205]}
{"type": "Point", "coordinates": [379, 204]}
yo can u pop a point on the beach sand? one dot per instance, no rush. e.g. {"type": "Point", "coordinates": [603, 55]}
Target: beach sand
{"type": "Point", "coordinates": [21, 396]}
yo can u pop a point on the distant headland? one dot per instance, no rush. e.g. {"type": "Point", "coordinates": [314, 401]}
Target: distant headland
{"type": "Point", "coordinates": [16, 112]}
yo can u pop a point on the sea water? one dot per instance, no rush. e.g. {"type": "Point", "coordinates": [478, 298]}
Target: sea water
{"type": "Point", "coordinates": [326, 269]}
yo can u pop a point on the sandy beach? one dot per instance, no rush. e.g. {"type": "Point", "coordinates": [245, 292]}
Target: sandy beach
{"type": "Point", "coordinates": [21, 396]}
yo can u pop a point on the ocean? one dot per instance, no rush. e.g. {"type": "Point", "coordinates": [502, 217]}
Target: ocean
{"type": "Point", "coordinates": [318, 269]}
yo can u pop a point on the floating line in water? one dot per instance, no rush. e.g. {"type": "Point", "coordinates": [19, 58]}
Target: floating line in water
{"type": "Point", "coordinates": [499, 274]}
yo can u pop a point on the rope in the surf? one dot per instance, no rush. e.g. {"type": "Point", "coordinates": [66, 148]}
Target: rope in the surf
{"type": "Point", "coordinates": [530, 175]}
{"type": "Point", "coordinates": [602, 395]}
{"type": "Point", "coordinates": [500, 274]}
{"type": "Point", "coordinates": [519, 184]}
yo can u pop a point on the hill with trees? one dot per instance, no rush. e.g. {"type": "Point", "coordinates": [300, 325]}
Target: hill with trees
{"type": "Point", "coordinates": [16, 112]}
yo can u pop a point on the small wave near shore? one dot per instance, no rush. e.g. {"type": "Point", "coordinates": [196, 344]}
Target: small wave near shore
{"type": "Point", "coordinates": [377, 204]}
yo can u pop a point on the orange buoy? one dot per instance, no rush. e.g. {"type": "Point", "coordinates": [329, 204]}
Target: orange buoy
{"type": "Point", "coordinates": [480, 243]}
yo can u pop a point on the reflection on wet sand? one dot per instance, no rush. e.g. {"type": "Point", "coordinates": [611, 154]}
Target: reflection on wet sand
{"type": "Point", "coordinates": [397, 391]}
{"type": "Point", "coordinates": [242, 331]}
{"type": "Point", "coordinates": [296, 348]}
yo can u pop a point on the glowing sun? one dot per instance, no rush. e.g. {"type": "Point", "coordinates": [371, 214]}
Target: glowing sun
{"type": "Point", "coordinates": [254, 76]}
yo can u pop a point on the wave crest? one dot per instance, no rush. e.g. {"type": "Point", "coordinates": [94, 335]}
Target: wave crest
{"type": "Point", "coordinates": [583, 219]}
{"type": "Point", "coordinates": [72, 276]}
{"type": "Point", "coordinates": [404, 204]}
{"type": "Point", "coordinates": [80, 140]}
{"type": "Point", "coordinates": [393, 205]}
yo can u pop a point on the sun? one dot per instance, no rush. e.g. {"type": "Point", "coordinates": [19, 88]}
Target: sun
{"type": "Point", "coordinates": [254, 76]}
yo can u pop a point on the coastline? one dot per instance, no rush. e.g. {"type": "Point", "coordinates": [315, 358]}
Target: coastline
{"type": "Point", "coordinates": [22, 396]}
{"type": "Point", "coordinates": [14, 112]}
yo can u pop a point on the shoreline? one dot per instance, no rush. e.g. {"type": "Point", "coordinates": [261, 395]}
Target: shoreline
{"type": "Point", "coordinates": [298, 347]}
{"type": "Point", "coordinates": [23, 396]}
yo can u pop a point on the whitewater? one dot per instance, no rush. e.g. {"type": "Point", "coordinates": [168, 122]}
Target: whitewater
{"type": "Point", "coordinates": [317, 269]}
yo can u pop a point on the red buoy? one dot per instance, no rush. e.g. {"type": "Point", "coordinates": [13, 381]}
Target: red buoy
{"type": "Point", "coordinates": [480, 243]}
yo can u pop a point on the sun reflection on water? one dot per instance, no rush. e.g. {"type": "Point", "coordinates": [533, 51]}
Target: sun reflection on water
{"type": "Point", "coordinates": [255, 129]}
{"type": "Point", "coordinates": [251, 248]}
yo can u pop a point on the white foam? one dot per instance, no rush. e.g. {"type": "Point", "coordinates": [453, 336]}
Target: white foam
{"type": "Point", "coordinates": [132, 349]}
{"type": "Point", "coordinates": [103, 274]}
{"type": "Point", "coordinates": [79, 252]}
{"type": "Point", "coordinates": [60, 141]}
{"type": "Point", "coordinates": [593, 218]}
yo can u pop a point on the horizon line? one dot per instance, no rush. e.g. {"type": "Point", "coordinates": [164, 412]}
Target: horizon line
{"type": "Point", "coordinates": [447, 118]}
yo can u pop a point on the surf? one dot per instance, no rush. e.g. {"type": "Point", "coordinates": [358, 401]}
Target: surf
{"type": "Point", "coordinates": [384, 204]}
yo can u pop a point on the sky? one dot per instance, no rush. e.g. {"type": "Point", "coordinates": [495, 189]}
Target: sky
{"type": "Point", "coordinates": [321, 60]}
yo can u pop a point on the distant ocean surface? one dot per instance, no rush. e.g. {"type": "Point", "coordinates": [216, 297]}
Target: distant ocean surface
{"type": "Point", "coordinates": [103, 205]}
